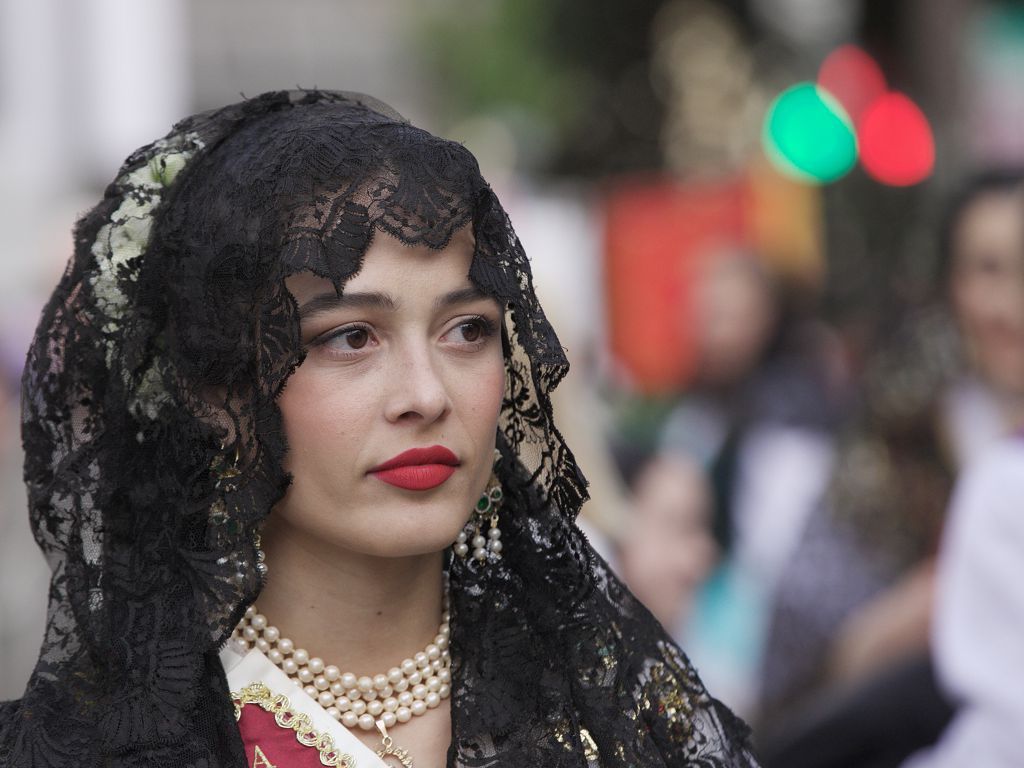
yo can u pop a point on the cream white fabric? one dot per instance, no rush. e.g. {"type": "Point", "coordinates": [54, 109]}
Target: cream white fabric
{"type": "Point", "coordinates": [244, 669]}
{"type": "Point", "coordinates": [978, 634]}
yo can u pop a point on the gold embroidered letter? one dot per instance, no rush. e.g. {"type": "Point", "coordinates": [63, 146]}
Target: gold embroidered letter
{"type": "Point", "coordinates": [259, 760]}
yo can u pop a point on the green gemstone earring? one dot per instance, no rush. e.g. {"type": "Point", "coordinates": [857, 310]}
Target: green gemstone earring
{"type": "Point", "coordinates": [472, 535]}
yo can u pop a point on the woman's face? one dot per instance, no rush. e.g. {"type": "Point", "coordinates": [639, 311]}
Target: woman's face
{"type": "Point", "coordinates": [409, 357]}
{"type": "Point", "coordinates": [734, 320]}
{"type": "Point", "coordinates": [669, 549]}
{"type": "Point", "coordinates": [988, 286]}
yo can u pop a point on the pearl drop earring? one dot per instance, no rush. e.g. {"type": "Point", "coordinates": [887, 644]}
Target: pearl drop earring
{"type": "Point", "coordinates": [472, 534]}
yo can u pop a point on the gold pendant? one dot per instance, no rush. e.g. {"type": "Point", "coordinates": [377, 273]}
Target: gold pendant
{"type": "Point", "coordinates": [388, 748]}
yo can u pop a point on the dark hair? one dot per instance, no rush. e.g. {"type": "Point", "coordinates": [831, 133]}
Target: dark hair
{"type": "Point", "coordinates": [1003, 180]}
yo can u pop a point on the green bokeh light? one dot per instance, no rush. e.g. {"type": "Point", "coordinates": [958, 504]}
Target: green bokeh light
{"type": "Point", "coordinates": [808, 135]}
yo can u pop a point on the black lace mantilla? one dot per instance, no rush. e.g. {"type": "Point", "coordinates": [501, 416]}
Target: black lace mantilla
{"type": "Point", "coordinates": [165, 344]}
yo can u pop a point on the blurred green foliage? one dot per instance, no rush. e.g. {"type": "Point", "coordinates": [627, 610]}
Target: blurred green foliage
{"type": "Point", "coordinates": [574, 72]}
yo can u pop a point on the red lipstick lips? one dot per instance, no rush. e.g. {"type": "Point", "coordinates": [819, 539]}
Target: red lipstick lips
{"type": "Point", "coordinates": [418, 469]}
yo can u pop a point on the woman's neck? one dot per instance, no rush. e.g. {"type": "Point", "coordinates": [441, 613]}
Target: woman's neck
{"type": "Point", "coordinates": [360, 613]}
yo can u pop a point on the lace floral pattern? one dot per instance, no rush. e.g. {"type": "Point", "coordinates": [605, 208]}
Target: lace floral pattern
{"type": "Point", "coordinates": [166, 343]}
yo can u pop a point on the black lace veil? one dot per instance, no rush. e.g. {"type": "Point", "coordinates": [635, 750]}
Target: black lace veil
{"type": "Point", "coordinates": [162, 350]}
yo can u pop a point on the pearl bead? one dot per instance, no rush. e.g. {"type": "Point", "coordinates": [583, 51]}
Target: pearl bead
{"type": "Point", "coordinates": [432, 700]}
{"type": "Point", "coordinates": [441, 641]}
{"type": "Point", "coordinates": [354, 693]}
{"type": "Point", "coordinates": [421, 659]}
{"type": "Point", "coordinates": [311, 691]}
{"type": "Point", "coordinates": [289, 667]}
{"type": "Point", "coordinates": [494, 534]}
{"type": "Point", "coordinates": [301, 656]}
{"type": "Point", "coordinates": [349, 719]}
{"type": "Point", "coordinates": [250, 634]}
{"type": "Point", "coordinates": [444, 675]}
{"type": "Point", "coordinates": [262, 645]}
{"type": "Point", "coordinates": [462, 538]}
{"type": "Point", "coordinates": [394, 675]}
{"type": "Point", "coordinates": [250, 611]}
{"type": "Point", "coordinates": [337, 689]}
{"type": "Point", "coordinates": [445, 691]}
{"type": "Point", "coordinates": [479, 542]}
{"type": "Point", "coordinates": [402, 685]}
{"type": "Point", "coordinates": [380, 682]}
{"type": "Point", "coordinates": [342, 703]}
{"type": "Point", "coordinates": [333, 712]}
{"type": "Point", "coordinates": [389, 719]}
{"type": "Point", "coordinates": [436, 665]}
{"type": "Point", "coordinates": [320, 683]}
{"type": "Point", "coordinates": [370, 696]}
{"type": "Point", "coordinates": [433, 684]}
{"type": "Point", "coordinates": [285, 646]}
{"type": "Point", "coordinates": [366, 722]}
{"type": "Point", "coordinates": [461, 550]}
{"type": "Point", "coordinates": [418, 708]}
{"type": "Point", "coordinates": [325, 699]}
{"type": "Point", "coordinates": [403, 715]}
{"type": "Point", "coordinates": [331, 672]}
{"type": "Point", "coordinates": [316, 666]}
{"type": "Point", "coordinates": [405, 699]}
{"type": "Point", "coordinates": [365, 684]}
{"type": "Point", "coordinates": [358, 706]}
{"type": "Point", "coordinates": [305, 675]}
{"type": "Point", "coordinates": [349, 681]}
{"type": "Point", "coordinates": [480, 554]}
{"type": "Point", "coordinates": [273, 634]}
{"type": "Point", "coordinates": [258, 622]}
{"type": "Point", "coordinates": [495, 547]}
{"type": "Point", "coordinates": [386, 691]}
{"type": "Point", "coordinates": [390, 704]}
{"type": "Point", "coordinates": [419, 691]}
{"type": "Point", "coordinates": [375, 708]}
{"type": "Point", "coordinates": [433, 652]}
{"type": "Point", "coordinates": [415, 678]}
{"type": "Point", "coordinates": [275, 656]}
{"type": "Point", "coordinates": [408, 666]}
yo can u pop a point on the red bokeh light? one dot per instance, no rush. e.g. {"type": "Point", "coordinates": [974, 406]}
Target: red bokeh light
{"type": "Point", "coordinates": [853, 78]}
{"type": "Point", "coordinates": [896, 143]}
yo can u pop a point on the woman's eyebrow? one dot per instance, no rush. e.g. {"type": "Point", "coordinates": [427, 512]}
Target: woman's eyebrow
{"type": "Point", "coordinates": [460, 296]}
{"type": "Point", "coordinates": [326, 302]}
{"type": "Point", "coordinates": [329, 301]}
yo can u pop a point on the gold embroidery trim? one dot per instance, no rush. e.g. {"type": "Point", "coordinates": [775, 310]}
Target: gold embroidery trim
{"type": "Point", "coordinates": [590, 752]}
{"type": "Point", "coordinates": [288, 718]}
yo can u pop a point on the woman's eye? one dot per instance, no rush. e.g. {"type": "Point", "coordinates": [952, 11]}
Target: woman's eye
{"type": "Point", "coordinates": [345, 340]}
{"type": "Point", "coordinates": [472, 331]}
{"type": "Point", "coordinates": [355, 338]}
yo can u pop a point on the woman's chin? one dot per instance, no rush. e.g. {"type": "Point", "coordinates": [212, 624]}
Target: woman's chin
{"type": "Point", "coordinates": [405, 541]}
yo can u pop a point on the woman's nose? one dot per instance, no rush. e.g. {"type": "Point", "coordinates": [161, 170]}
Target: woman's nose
{"type": "Point", "coordinates": [416, 388]}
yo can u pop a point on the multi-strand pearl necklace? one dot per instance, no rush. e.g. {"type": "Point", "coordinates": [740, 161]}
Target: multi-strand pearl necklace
{"type": "Point", "coordinates": [406, 691]}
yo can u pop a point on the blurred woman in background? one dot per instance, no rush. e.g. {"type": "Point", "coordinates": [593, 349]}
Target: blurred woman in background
{"type": "Point", "coordinates": [854, 613]}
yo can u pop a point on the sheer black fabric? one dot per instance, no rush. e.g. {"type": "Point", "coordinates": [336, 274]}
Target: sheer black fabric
{"type": "Point", "coordinates": [163, 349]}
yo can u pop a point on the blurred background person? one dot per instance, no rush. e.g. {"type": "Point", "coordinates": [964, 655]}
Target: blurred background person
{"type": "Point", "coordinates": [758, 419]}
{"type": "Point", "coordinates": [857, 594]}
{"type": "Point", "coordinates": [854, 616]}
{"type": "Point", "coordinates": [667, 549]}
